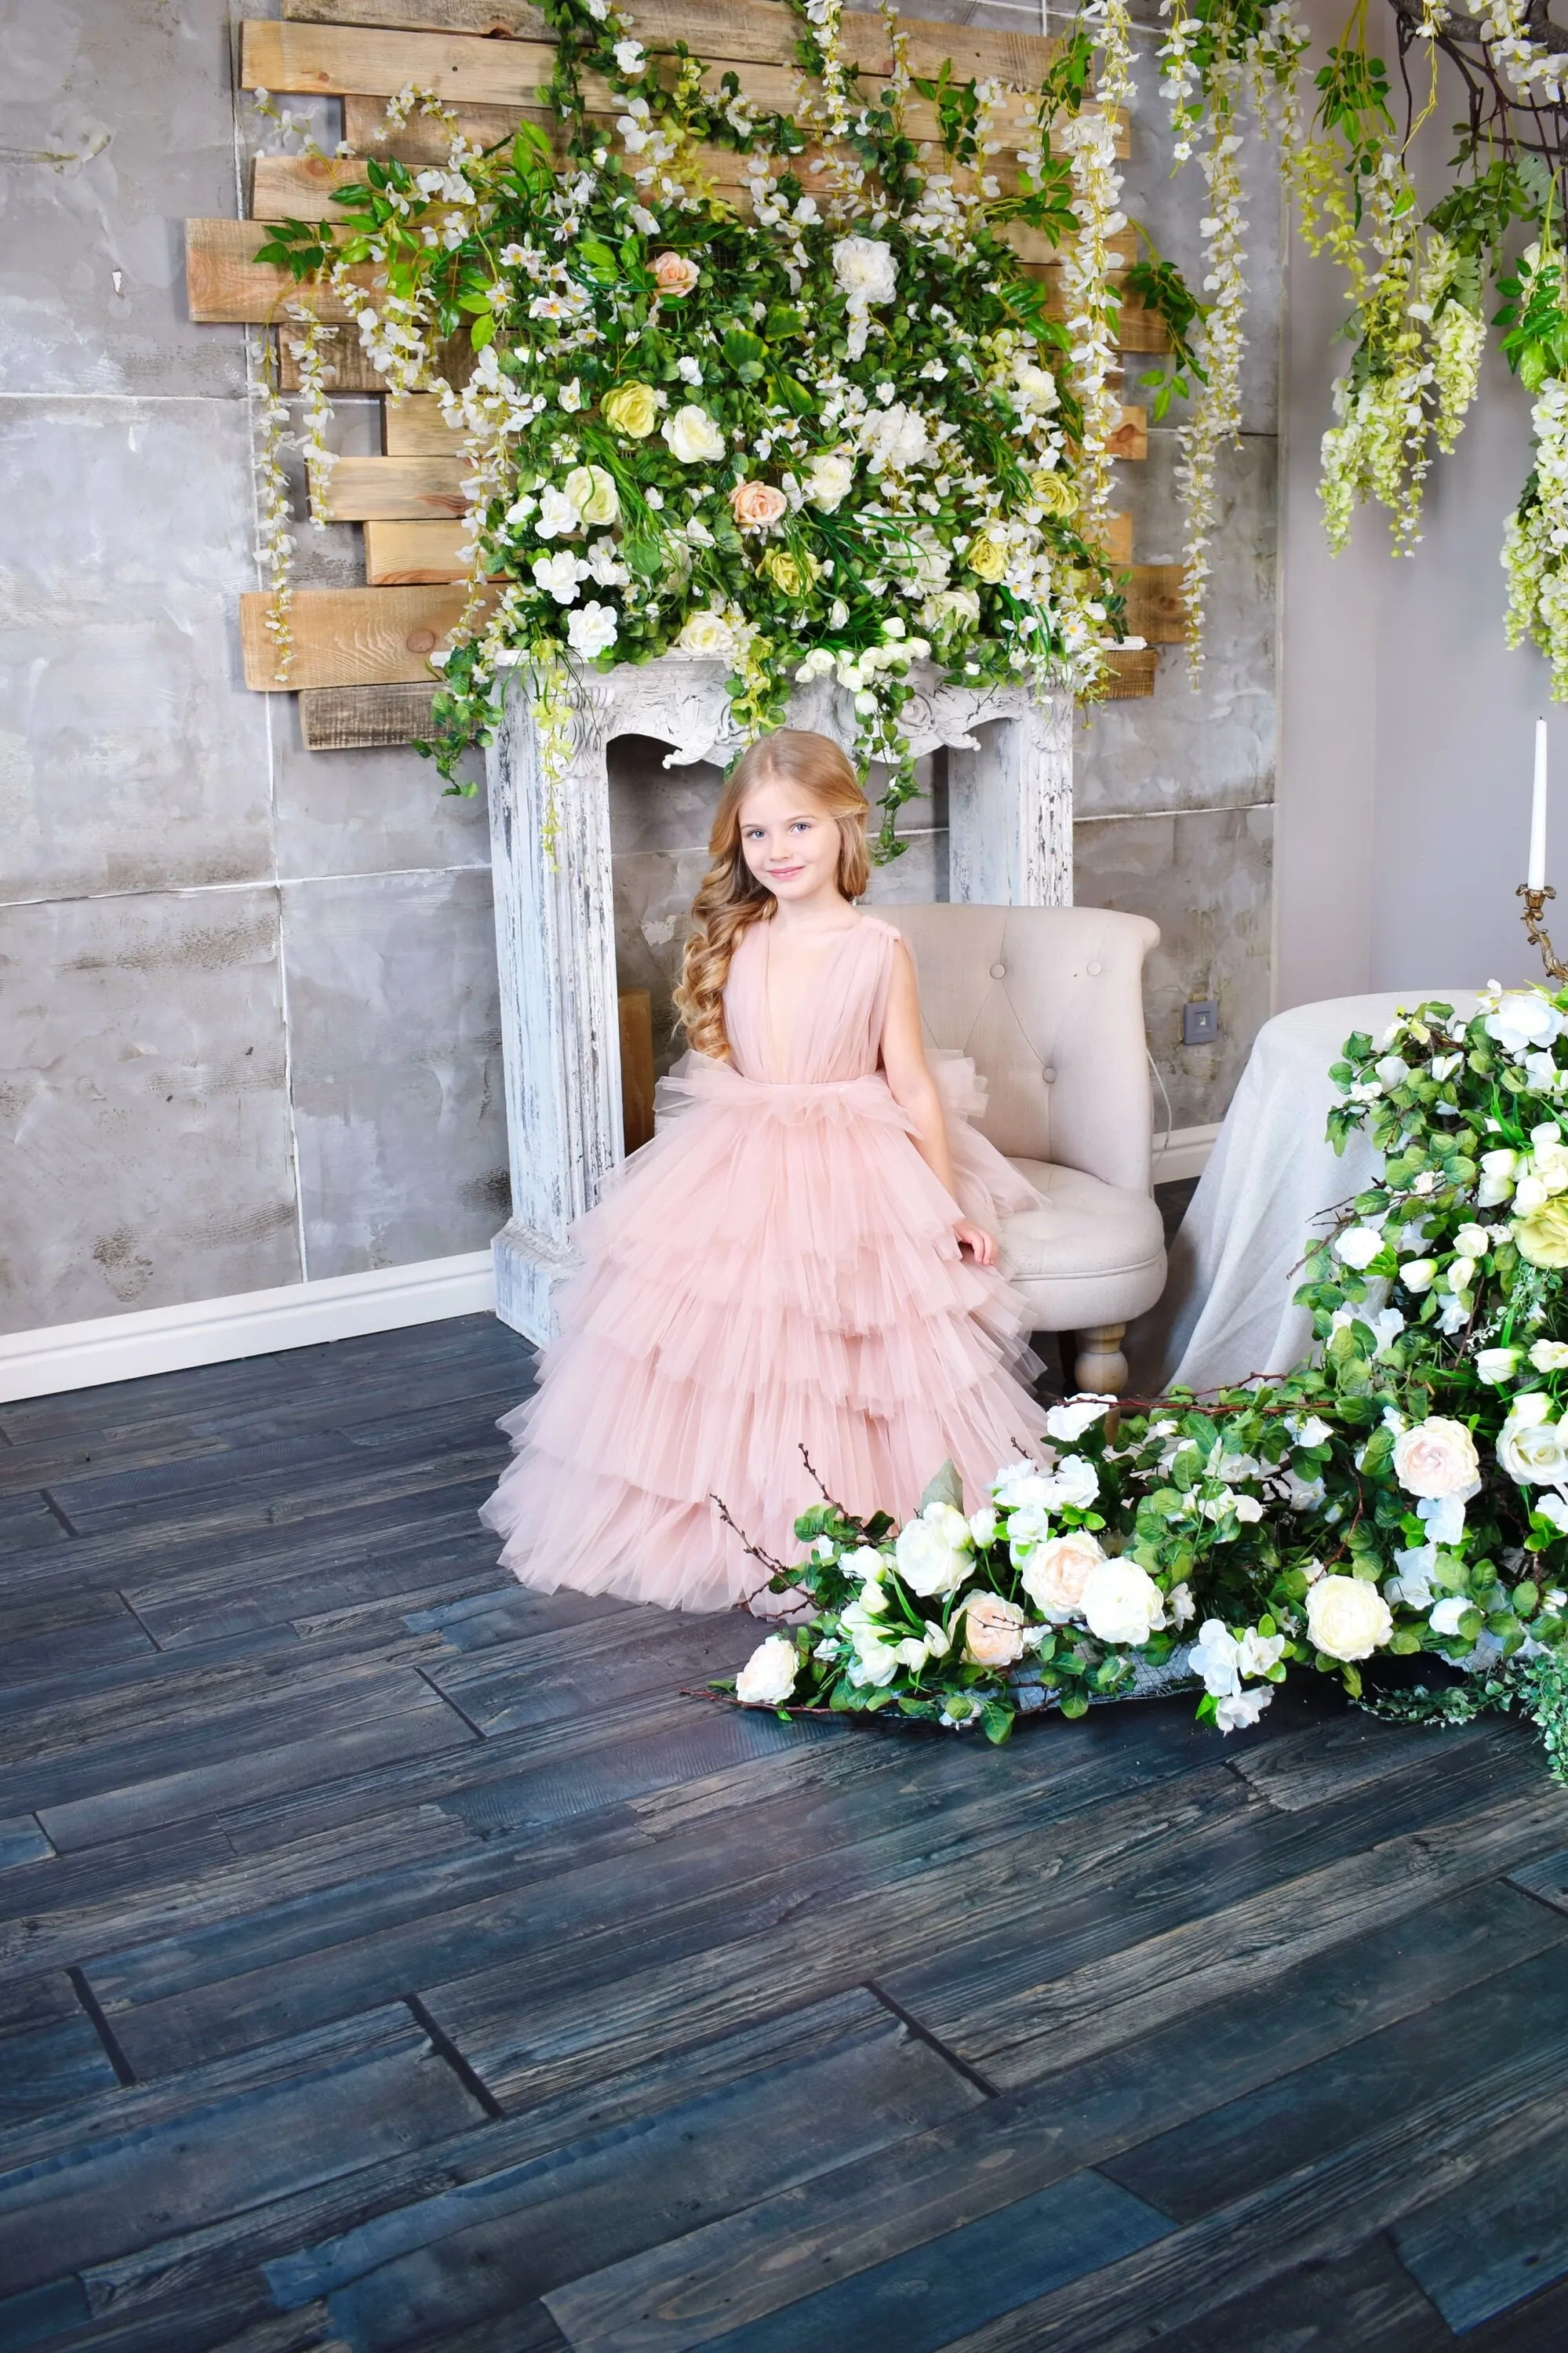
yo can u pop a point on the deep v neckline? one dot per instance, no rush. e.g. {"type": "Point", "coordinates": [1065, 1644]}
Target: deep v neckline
{"type": "Point", "coordinates": [780, 1061]}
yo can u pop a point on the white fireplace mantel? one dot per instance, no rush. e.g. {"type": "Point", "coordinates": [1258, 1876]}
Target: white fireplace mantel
{"type": "Point", "coordinates": [1010, 835]}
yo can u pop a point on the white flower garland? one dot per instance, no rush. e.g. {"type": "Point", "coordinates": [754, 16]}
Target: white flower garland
{"type": "Point", "coordinates": [1535, 544]}
{"type": "Point", "coordinates": [316, 409]}
{"type": "Point", "coordinates": [274, 519]}
{"type": "Point", "coordinates": [1534, 71]}
{"type": "Point", "coordinates": [1092, 311]}
{"type": "Point", "coordinates": [1113, 41]}
{"type": "Point", "coordinates": [1215, 415]}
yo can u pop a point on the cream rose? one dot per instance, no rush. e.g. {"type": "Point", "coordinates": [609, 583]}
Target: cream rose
{"type": "Point", "coordinates": [1532, 1447]}
{"type": "Point", "coordinates": [1542, 1236]}
{"type": "Point", "coordinates": [950, 608]}
{"type": "Point", "coordinates": [865, 269]}
{"type": "Point", "coordinates": [675, 274]}
{"type": "Point", "coordinates": [1436, 1457]}
{"type": "Point", "coordinates": [829, 479]}
{"type": "Point", "coordinates": [933, 1553]}
{"type": "Point", "coordinates": [1347, 1618]}
{"type": "Point", "coordinates": [993, 1630]}
{"type": "Point", "coordinates": [593, 493]}
{"type": "Point", "coordinates": [692, 435]}
{"type": "Point", "coordinates": [768, 1677]}
{"type": "Point", "coordinates": [756, 506]}
{"type": "Point", "coordinates": [987, 558]}
{"type": "Point", "coordinates": [706, 633]}
{"type": "Point", "coordinates": [1054, 1573]}
{"type": "Point", "coordinates": [1120, 1604]}
{"type": "Point", "coordinates": [632, 409]}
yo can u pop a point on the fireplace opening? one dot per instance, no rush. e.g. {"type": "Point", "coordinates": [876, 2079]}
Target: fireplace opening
{"type": "Point", "coordinates": [659, 823]}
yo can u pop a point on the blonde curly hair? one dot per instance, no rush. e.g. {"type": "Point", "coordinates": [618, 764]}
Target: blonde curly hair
{"type": "Point", "coordinates": [731, 898]}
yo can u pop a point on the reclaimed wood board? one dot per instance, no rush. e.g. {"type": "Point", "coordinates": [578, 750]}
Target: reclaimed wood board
{"type": "Point", "coordinates": [351, 718]}
{"type": "Point", "coordinates": [737, 31]}
{"type": "Point", "coordinates": [351, 637]}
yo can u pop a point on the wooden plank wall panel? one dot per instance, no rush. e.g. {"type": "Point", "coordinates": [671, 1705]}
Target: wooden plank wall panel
{"type": "Point", "coordinates": [227, 286]}
{"type": "Point", "coordinates": [426, 490]}
{"type": "Point", "coordinates": [330, 60]}
{"type": "Point", "coordinates": [351, 637]}
{"type": "Point", "coordinates": [352, 718]}
{"type": "Point", "coordinates": [732, 31]}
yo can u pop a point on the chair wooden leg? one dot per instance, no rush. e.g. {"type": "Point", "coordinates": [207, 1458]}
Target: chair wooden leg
{"type": "Point", "coordinates": [1101, 1366]}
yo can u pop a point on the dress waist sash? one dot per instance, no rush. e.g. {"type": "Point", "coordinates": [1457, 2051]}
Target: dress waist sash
{"type": "Point", "coordinates": [701, 1081]}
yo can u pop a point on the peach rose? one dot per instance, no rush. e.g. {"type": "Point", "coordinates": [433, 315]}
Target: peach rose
{"type": "Point", "coordinates": [1054, 1573]}
{"type": "Point", "coordinates": [993, 1630]}
{"type": "Point", "coordinates": [675, 274]}
{"type": "Point", "coordinates": [756, 505]}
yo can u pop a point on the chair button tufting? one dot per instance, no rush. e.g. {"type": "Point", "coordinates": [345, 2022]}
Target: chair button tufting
{"type": "Point", "coordinates": [1095, 966]}
{"type": "Point", "coordinates": [1049, 1076]}
{"type": "Point", "coordinates": [999, 972]}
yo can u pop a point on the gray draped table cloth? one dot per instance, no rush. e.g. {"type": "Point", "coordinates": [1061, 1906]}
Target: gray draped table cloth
{"type": "Point", "coordinates": [1227, 1311]}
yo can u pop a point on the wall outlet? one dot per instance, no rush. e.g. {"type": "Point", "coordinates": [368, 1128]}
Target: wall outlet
{"type": "Point", "coordinates": [1200, 1021]}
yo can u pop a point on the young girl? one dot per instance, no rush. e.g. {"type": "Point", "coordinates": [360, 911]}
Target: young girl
{"type": "Point", "coordinates": [786, 1264]}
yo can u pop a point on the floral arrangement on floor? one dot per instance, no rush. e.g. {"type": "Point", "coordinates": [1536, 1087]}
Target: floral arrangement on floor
{"type": "Point", "coordinates": [1402, 1495]}
{"type": "Point", "coordinates": [831, 439]}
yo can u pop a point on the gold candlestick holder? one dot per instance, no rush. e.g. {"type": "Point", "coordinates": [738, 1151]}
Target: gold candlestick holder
{"type": "Point", "coordinates": [1535, 931]}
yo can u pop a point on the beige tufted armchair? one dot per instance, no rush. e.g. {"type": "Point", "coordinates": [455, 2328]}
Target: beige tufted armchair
{"type": "Point", "coordinates": [1048, 1002]}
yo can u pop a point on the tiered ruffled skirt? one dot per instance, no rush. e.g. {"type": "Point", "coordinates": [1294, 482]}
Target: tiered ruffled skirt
{"type": "Point", "coordinates": [775, 1272]}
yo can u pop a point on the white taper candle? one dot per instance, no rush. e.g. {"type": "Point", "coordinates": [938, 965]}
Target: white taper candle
{"type": "Point", "coordinates": [1536, 878]}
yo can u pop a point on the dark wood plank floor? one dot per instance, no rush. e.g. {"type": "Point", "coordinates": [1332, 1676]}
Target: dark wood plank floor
{"type": "Point", "coordinates": [393, 1959]}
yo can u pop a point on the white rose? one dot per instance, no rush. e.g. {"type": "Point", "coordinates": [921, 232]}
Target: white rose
{"type": "Point", "coordinates": [1053, 1574]}
{"type": "Point", "coordinates": [1524, 1017]}
{"type": "Point", "coordinates": [1417, 1566]}
{"type": "Point", "coordinates": [559, 575]}
{"type": "Point", "coordinates": [1068, 1422]}
{"type": "Point", "coordinates": [630, 58]}
{"type": "Point", "coordinates": [1494, 1366]}
{"type": "Point", "coordinates": [1242, 1709]}
{"type": "Point", "coordinates": [950, 608]}
{"type": "Point", "coordinates": [829, 479]}
{"type": "Point", "coordinates": [1120, 1604]}
{"type": "Point", "coordinates": [875, 1663]}
{"type": "Point", "coordinates": [1036, 385]}
{"type": "Point", "coordinates": [1532, 1447]}
{"type": "Point", "coordinates": [1550, 1356]}
{"type": "Point", "coordinates": [982, 1526]}
{"type": "Point", "coordinates": [1473, 1241]}
{"type": "Point", "coordinates": [933, 1552]}
{"type": "Point", "coordinates": [692, 435]}
{"type": "Point", "coordinates": [868, 1565]}
{"type": "Point", "coordinates": [592, 631]}
{"type": "Point", "coordinates": [1215, 1658]}
{"type": "Point", "coordinates": [1418, 1274]}
{"type": "Point", "coordinates": [865, 269]}
{"type": "Point", "coordinates": [1358, 1246]}
{"type": "Point", "coordinates": [593, 493]}
{"type": "Point", "coordinates": [1436, 1457]}
{"type": "Point", "coordinates": [895, 436]}
{"type": "Point", "coordinates": [706, 633]}
{"type": "Point", "coordinates": [768, 1677]}
{"type": "Point", "coordinates": [558, 516]}
{"type": "Point", "coordinates": [1347, 1618]}
{"type": "Point", "coordinates": [1260, 1651]}
{"type": "Point", "coordinates": [1447, 1614]}
{"type": "Point", "coordinates": [1313, 1432]}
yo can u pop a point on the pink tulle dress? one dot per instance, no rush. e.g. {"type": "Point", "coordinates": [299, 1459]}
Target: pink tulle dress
{"type": "Point", "coordinates": [776, 1269]}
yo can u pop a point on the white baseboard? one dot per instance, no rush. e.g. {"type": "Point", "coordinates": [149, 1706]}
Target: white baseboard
{"type": "Point", "coordinates": [1183, 1153]}
{"type": "Point", "coordinates": [252, 1323]}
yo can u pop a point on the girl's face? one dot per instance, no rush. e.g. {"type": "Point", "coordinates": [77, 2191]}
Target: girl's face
{"type": "Point", "coordinates": [790, 844]}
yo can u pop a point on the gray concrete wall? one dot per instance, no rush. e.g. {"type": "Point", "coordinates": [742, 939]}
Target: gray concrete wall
{"type": "Point", "coordinates": [248, 1018]}
{"type": "Point", "coordinates": [250, 1030]}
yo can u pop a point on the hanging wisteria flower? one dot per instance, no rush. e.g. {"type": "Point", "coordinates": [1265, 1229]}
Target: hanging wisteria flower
{"type": "Point", "coordinates": [1092, 309]}
{"type": "Point", "coordinates": [1217, 412]}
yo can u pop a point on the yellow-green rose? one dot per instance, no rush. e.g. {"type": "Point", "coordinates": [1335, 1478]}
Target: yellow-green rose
{"type": "Point", "coordinates": [633, 409]}
{"type": "Point", "coordinates": [987, 558]}
{"type": "Point", "coordinates": [1542, 1236]}
{"type": "Point", "coordinates": [593, 493]}
{"type": "Point", "coordinates": [1057, 493]}
{"type": "Point", "coordinates": [792, 576]}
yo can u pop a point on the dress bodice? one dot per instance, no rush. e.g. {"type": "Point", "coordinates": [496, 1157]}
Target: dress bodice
{"type": "Point", "coordinates": [837, 1034]}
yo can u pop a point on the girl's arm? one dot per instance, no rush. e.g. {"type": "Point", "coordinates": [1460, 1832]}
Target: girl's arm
{"type": "Point", "coordinates": [914, 1090]}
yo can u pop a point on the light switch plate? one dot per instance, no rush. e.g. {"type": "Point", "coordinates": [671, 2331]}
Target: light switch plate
{"type": "Point", "coordinates": [1200, 1021]}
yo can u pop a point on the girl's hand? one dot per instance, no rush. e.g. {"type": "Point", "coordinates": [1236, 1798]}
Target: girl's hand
{"type": "Point", "coordinates": [976, 1242]}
